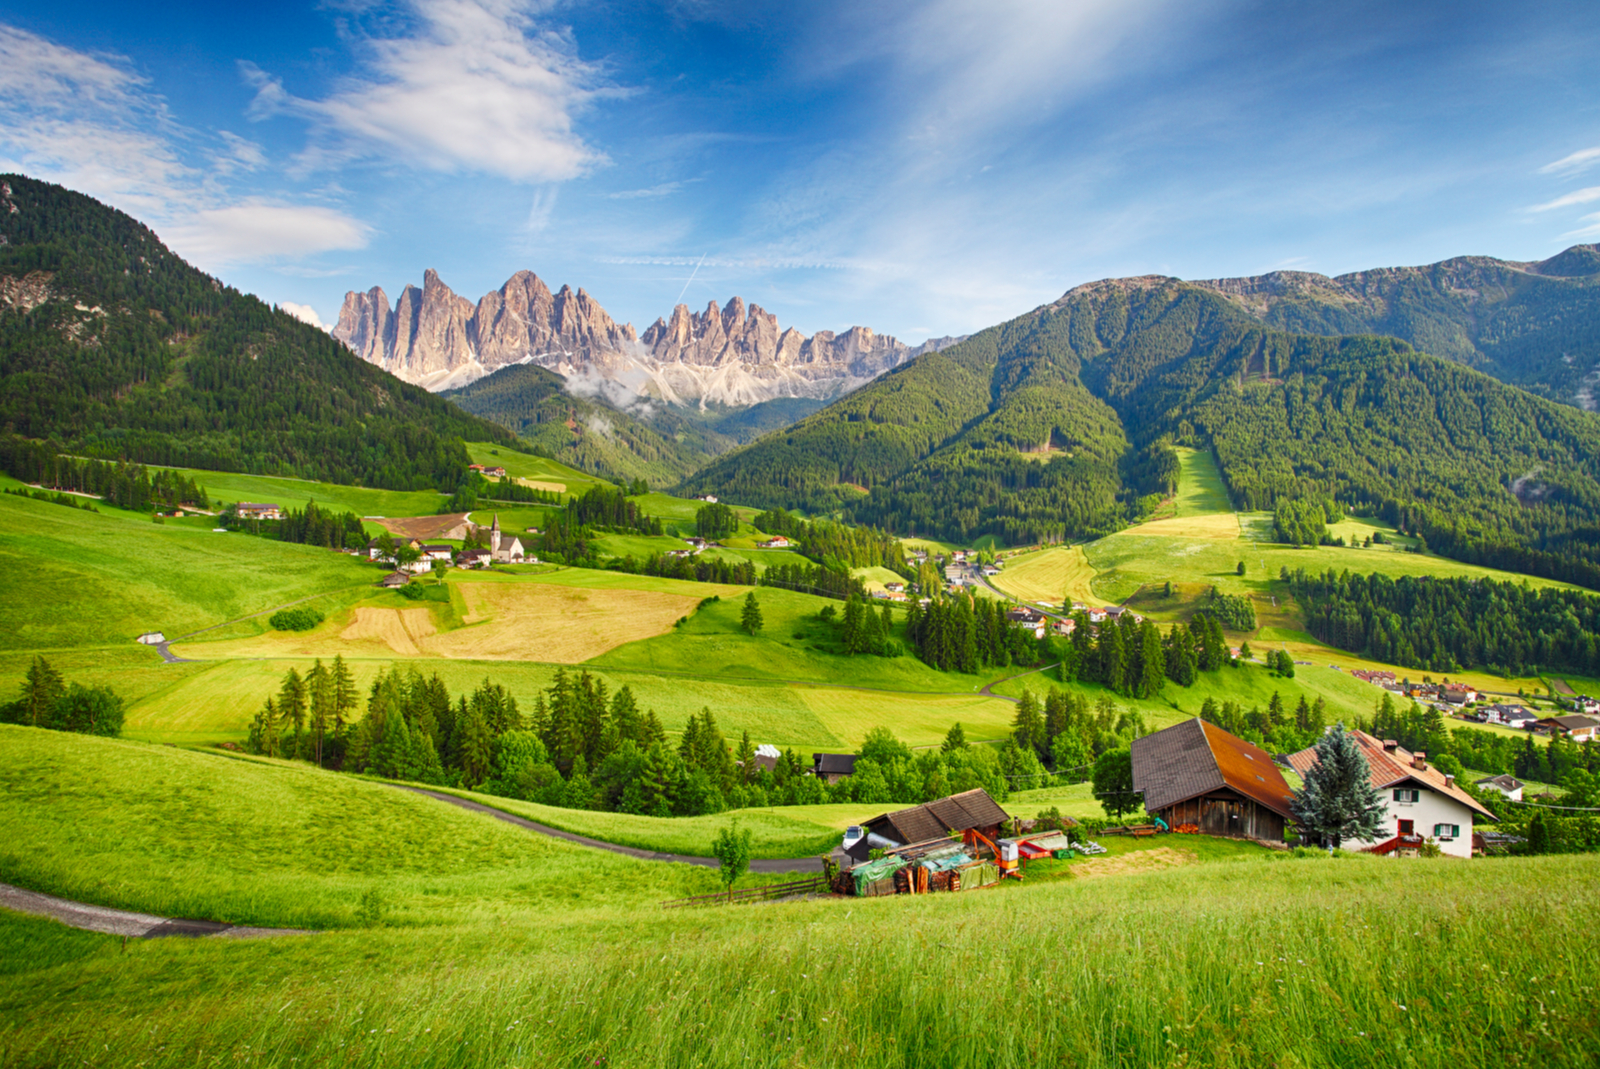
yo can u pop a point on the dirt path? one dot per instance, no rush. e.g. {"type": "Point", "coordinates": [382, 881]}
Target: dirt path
{"type": "Point", "coordinates": [987, 692]}
{"type": "Point", "coordinates": [796, 864]}
{"type": "Point", "coordinates": [123, 922]}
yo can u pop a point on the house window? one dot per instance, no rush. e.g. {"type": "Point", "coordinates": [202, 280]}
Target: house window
{"type": "Point", "coordinates": [1446, 831]}
{"type": "Point", "coordinates": [1407, 794]}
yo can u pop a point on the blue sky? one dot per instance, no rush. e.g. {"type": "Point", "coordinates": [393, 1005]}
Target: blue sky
{"type": "Point", "coordinates": [922, 168]}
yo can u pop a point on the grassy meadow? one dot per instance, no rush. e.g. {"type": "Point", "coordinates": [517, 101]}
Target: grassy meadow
{"type": "Point", "coordinates": [552, 474]}
{"type": "Point", "coordinates": [232, 487]}
{"type": "Point", "coordinates": [450, 939]}
{"type": "Point", "coordinates": [103, 579]}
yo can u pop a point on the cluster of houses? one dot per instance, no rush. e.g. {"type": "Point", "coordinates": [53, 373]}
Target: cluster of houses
{"type": "Point", "coordinates": [503, 548]}
{"type": "Point", "coordinates": [1196, 775]}
{"type": "Point", "coordinates": [1455, 698]}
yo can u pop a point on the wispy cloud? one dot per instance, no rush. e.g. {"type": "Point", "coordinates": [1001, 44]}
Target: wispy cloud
{"type": "Point", "coordinates": [663, 190]}
{"type": "Point", "coordinates": [477, 86]}
{"type": "Point", "coordinates": [249, 233]}
{"type": "Point", "coordinates": [1590, 231]}
{"type": "Point", "coordinates": [93, 123]}
{"type": "Point", "coordinates": [1581, 160]}
{"type": "Point", "coordinates": [1567, 200]}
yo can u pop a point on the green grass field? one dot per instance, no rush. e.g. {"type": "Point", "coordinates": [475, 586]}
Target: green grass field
{"type": "Point", "coordinates": [232, 487]}
{"type": "Point", "coordinates": [527, 466]}
{"type": "Point", "coordinates": [1200, 488]}
{"type": "Point", "coordinates": [84, 579]}
{"type": "Point", "coordinates": [485, 946]}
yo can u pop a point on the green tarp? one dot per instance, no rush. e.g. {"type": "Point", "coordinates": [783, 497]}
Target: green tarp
{"type": "Point", "coordinates": [875, 871]}
{"type": "Point", "coordinates": [980, 875]}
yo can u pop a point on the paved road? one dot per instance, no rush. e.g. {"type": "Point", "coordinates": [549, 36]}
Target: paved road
{"type": "Point", "coordinates": [123, 922]}
{"type": "Point", "coordinates": [795, 864]}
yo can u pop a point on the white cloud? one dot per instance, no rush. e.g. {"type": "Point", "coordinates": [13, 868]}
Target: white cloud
{"type": "Point", "coordinates": [249, 233]}
{"type": "Point", "coordinates": [304, 313]}
{"type": "Point", "coordinates": [664, 189]}
{"type": "Point", "coordinates": [1567, 200]}
{"type": "Point", "coordinates": [478, 86]}
{"type": "Point", "coordinates": [1590, 231]}
{"type": "Point", "coordinates": [93, 124]}
{"type": "Point", "coordinates": [1581, 160]}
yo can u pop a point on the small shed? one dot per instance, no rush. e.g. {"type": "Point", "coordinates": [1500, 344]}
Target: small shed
{"type": "Point", "coordinates": [971, 810]}
{"type": "Point", "coordinates": [1194, 773]}
{"type": "Point", "coordinates": [394, 579]}
{"type": "Point", "coordinates": [833, 767]}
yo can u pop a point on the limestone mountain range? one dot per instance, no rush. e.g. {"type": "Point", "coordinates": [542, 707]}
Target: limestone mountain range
{"type": "Point", "coordinates": [732, 356]}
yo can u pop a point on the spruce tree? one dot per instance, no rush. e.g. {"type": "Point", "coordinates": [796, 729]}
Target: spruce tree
{"type": "Point", "coordinates": [345, 695]}
{"type": "Point", "coordinates": [750, 616]}
{"type": "Point", "coordinates": [42, 688]}
{"type": "Point", "coordinates": [954, 739]}
{"type": "Point", "coordinates": [1337, 800]}
{"type": "Point", "coordinates": [1152, 661]}
{"type": "Point", "coordinates": [292, 706]}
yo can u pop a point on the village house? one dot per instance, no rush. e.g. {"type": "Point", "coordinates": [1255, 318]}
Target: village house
{"type": "Point", "coordinates": [394, 579]}
{"type": "Point", "coordinates": [1509, 786]}
{"type": "Point", "coordinates": [1065, 627]}
{"type": "Point", "coordinates": [708, 498]}
{"type": "Point", "coordinates": [775, 542]}
{"type": "Point", "coordinates": [894, 588]}
{"type": "Point", "coordinates": [1515, 716]}
{"type": "Point", "coordinates": [437, 551]}
{"type": "Point", "coordinates": [1194, 773]}
{"type": "Point", "coordinates": [495, 473]}
{"type": "Point", "coordinates": [696, 543]}
{"type": "Point", "coordinates": [1576, 728]}
{"type": "Point", "coordinates": [1420, 801]}
{"type": "Point", "coordinates": [1457, 695]}
{"type": "Point", "coordinates": [473, 558]}
{"type": "Point", "coordinates": [252, 510]}
{"type": "Point", "coordinates": [833, 767]}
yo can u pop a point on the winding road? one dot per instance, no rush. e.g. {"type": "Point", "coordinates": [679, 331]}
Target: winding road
{"type": "Point", "coordinates": [768, 865]}
{"type": "Point", "coordinates": [124, 922]}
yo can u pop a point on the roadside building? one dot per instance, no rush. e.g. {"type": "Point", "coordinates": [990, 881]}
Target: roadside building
{"type": "Point", "coordinates": [830, 768]}
{"type": "Point", "coordinates": [255, 510]}
{"type": "Point", "coordinates": [1577, 728]}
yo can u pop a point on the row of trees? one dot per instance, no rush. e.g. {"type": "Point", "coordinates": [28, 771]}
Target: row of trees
{"type": "Point", "coordinates": [126, 485]}
{"type": "Point", "coordinates": [966, 633]}
{"type": "Point", "coordinates": [311, 526]}
{"type": "Point", "coordinates": [47, 700]}
{"type": "Point", "coordinates": [1136, 659]}
{"type": "Point", "coordinates": [1304, 523]}
{"type": "Point", "coordinates": [835, 545]}
{"type": "Point", "coordinates": [1444, 625]}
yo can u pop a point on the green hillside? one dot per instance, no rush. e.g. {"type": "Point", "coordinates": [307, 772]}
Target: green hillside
{"type": "Point", "coordinates": [1062, 423]}
{"type": "Point", "coordinates": [110, 345]}
{"type": "Point", "coordinates": [451, 939]}
{"type": "Point", "coordinates": [1533, 324]}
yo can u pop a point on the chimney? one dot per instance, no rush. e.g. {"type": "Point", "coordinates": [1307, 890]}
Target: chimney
{"type": "Point", "coordinates": [1449, 780]}
{"type": "Point", "coordinates": [1418, 760]}
{"type": "Point", "coordinates": [1389, 746]}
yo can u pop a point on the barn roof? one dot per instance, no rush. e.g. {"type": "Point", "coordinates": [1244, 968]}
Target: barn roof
{"type": "Point", "coordinates": [935, 820]}
{"type": "Point", "coordinates": [1189, 759]}
{"type": "Point", "coordinates": [1392, 768]}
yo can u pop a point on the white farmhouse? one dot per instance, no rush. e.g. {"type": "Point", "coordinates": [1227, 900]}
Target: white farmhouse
{"type": "Point", "coordinates": [1421, 802]}
{"type": "Point", "coordinates": [1509, 786]}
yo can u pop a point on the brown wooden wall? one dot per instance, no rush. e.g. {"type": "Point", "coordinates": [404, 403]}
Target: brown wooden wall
{"type": "Point", "coordinates": [1226, 814]}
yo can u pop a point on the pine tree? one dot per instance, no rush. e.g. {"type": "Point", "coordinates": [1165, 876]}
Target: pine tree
{"type": "Point", "coordinates": [1152, 662]}
{"type": "Point", "coordinates": [42, 688]}
{"type": "Point", "coordinates": [320, 686]}
{"type": "Point", "coordinates": [477, 748]}
{"type": "Point", "coordinates": [750, 616]}
{"type": "Point", "coordinates": [746, 758]}
{"type": "Point", "coordinates": [1338, 801]}
{"type": "Point", "coordinates": [1028, 728]}
{"type": "Point", "coordinates": [852, 625]}
{"type": "Point", "coordinates": [954, 739]}
{"type": "Point", "coordinates": [292, 706]}
{"type": "Point", "coordinates": [345, 695]}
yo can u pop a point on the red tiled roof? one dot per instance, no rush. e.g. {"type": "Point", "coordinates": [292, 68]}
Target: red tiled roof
{"type": "Point", "coordinates": [1392, 769]}
{"type": "Point", "coordinates": [1191, 758]}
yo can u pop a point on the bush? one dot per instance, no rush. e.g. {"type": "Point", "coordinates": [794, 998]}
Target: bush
{"type": "Point", "coordinates": [302, 619]}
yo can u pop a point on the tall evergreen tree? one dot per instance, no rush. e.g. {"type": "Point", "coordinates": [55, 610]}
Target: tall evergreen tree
{"type": "Point", "coordinates": [750, 616]}
{"type": "Point", "coordinates": [42, 688]}
{"type": "Point", "coordinates": [1337, 800]}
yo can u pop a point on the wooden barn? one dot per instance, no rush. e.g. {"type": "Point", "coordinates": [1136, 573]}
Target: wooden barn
{"type": "Point", "coordinates": [1195, 773]}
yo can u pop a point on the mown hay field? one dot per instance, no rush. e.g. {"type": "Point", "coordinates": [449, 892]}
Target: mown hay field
{"type": "Point", "coordinates": [1049, 575]}
{"type": "Point", "coordinates": [464, 955]}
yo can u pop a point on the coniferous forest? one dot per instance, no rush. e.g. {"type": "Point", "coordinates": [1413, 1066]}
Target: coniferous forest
{"type": "Point", "coordinates": [125, 352]}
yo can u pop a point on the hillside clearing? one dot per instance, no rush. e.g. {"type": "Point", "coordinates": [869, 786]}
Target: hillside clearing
{"type": "Point", "coordinates": [1049, 575]}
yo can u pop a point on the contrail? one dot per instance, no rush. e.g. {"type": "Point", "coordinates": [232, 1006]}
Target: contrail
{"type": "Point", "coordinates": [693, 273]}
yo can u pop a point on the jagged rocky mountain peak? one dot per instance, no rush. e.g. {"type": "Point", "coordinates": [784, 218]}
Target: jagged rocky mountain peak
{"type": "Point", "coordinates": [732, 354]}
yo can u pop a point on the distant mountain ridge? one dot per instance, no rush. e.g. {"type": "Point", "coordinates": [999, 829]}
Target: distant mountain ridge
{"type": "Point", "coordinates": [1059, 424]}
{"type": "Point", "coordinates": [1535, 324]}
{"type": "Point", "coordinates": [729, 356]}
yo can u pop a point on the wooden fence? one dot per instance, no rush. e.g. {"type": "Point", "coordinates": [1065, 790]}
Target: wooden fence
{"type": "Point", "coordinates": [809, 884]}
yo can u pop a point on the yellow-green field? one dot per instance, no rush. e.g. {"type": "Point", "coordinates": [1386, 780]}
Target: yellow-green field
{"type": "Point", "coordinates": [1059, 575]}
{"type": "Point", "coordinates": [550, 473]}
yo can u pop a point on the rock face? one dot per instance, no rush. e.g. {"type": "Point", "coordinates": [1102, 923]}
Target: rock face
{"type": "Point", "coordinates": [728, 356]}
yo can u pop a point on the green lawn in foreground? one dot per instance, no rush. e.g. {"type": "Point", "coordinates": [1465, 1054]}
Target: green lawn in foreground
{"type": "Point", "coordinates": [499, 949]}
{"type": "Point", "coordinates": [86, 579]}
{"type": "Point", "coordinates": [187, 834]}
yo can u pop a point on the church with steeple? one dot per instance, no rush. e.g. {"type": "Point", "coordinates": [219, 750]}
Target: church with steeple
{"type": "Point", "coordinates": [503, 548]}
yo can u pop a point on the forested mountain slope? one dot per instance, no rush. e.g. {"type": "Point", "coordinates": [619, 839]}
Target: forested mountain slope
{"type": "Point", "coordinates": [656, 442]}
{"type": "Point", "coordinates": [1058, 423]}
{"type": "Point", "coordinates": [1536, 325]}
{"type": "Point", "coordinates": [111, 345]}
